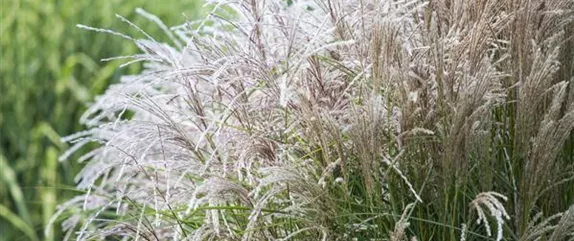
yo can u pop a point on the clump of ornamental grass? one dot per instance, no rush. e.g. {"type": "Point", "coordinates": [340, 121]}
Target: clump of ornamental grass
{"type": "Point", "coordinates": [337, 120]}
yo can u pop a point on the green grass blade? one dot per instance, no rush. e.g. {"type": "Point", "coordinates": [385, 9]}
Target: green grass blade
{"type": "Point", "coordinates": [8, 177]}
{"type": "Point", "coordinates": [17, 222]}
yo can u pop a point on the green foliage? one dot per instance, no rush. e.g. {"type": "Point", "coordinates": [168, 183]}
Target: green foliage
{"type": "Point", "coordinates": [49, 70]}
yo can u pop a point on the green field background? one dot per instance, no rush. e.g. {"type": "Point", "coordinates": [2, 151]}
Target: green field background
{"type": "Point", "coordinates": [49, 72]}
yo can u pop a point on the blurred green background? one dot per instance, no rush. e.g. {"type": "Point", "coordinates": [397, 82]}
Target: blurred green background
{"type": "Point", "coordinates": [49, 71]}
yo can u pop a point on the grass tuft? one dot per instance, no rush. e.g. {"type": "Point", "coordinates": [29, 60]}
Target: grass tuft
{"type": "Point", "coordinates": [337, 120]}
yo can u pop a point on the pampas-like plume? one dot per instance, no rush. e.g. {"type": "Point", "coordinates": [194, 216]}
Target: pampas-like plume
{"type": "Point", "coordinates": [556, 227]}
{"type": "Point", "coordinates": [496, 209]}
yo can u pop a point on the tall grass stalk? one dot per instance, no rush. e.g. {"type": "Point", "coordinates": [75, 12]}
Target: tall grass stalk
{"type": "Point", "coordinates": [338, 120]}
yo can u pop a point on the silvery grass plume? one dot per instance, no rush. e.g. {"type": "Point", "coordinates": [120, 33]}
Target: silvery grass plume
{"type": "Point", "coordinates": [331, 120]}
{"type": "Point", "coordinates": [496, 209]}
